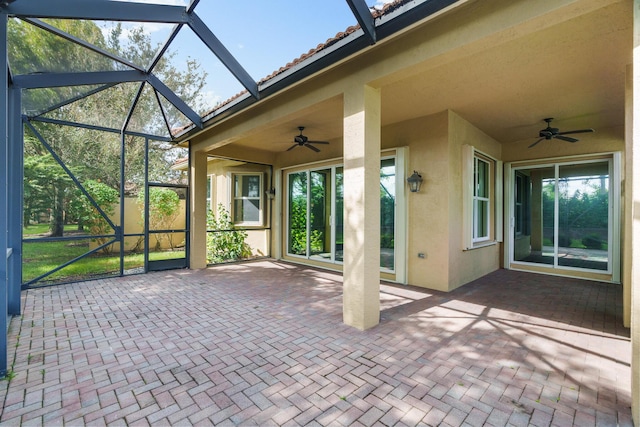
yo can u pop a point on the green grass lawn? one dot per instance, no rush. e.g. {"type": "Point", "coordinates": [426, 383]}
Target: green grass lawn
{"type": "Point", "coordinates": [31, 230]}
{"type": "Point", "coordinates": [41, 257]}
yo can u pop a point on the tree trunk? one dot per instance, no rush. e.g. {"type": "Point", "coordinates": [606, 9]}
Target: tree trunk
{"type": "Point", "coordinates": [56, 226]}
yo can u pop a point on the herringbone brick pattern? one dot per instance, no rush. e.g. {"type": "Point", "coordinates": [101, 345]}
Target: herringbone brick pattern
{"type": "Point", "coordinates": [263, 343]}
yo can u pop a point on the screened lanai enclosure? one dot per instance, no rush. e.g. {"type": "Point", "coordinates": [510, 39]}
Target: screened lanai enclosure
{"type": "Point", "coordinates": [106, 91]}
{"type": "Point", "coordinates": [99, 100]}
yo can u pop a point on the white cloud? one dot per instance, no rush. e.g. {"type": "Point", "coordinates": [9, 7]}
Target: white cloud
{"type": "Point", "coordinates": [149, 27]}
{"type": "Point", "coordinates": [380, 3]}
{"type": "Point", "coordinates": [210, 98]}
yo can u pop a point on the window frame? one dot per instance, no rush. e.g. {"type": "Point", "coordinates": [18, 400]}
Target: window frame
{"type": "Point", "coordinates": [210, 191]}
{"type": "Point", "coordinates": [614, 273]}
{"type": "Point", "coordinates": [234, 197]}
{"type": "Point", "coordinates": [399, 236]}
{"type": "Point", "coordinates": [482, 201]}
{"type": "Point", "coordinates": [471, 200]}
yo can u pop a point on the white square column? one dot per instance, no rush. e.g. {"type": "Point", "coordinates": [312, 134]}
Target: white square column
{"type": "Point", "coordinates": [198, 210]}
{"type": "Point", "coordinates": [361, 294]}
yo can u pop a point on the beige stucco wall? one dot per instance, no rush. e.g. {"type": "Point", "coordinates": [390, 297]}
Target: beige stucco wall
{"type": "Point", "coordinates": [435, 214]}
{"type": "Point", "coordinates": [428, 219]}
{"type": "Point", "coordinates": [133, 225]}
{"type": "Point", "coordinates": [465, 266]}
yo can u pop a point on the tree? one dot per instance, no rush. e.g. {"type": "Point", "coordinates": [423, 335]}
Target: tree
{"type": "Point", "coordinates": [46, 184]}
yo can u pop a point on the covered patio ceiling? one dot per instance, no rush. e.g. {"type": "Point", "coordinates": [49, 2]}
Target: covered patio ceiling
{"type": "Point", "coordinates": [569, 65]}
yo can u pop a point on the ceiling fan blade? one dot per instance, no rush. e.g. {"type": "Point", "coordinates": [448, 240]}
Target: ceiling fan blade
{"type": "Point", "coordinates": [312, 148]}
{"type": "Point", "coordinates": [575, 131]}
{"type": "Point", "coordinates": [292, 147]}
{"type": "Point", "coordinates": [317, 142]}
{"type": "Point", "coordinates": [567, 138]}
{"type": "Point", "coordinates": [536, 143]}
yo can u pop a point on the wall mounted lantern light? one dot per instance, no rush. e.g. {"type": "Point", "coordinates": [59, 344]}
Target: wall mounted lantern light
{"type": "Point", "coordinates": [414, 181]}
{"type": "Point", "coordinates": [271, 193]}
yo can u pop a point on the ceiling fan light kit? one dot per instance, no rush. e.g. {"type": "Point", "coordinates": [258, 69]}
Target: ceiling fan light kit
{"type": "Point", "coordinates": [551, 133]}
{"type": "Point", "coordinates": [302, 141]}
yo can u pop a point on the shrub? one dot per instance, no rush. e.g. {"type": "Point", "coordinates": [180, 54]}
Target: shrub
{"type": "Point", "coordinates": [592, 241]}
{"type": "Point", "coordinates": [105, 197]}
{"type": "Point", "coordinates": [386, 240]}
{"type": "Point", "coordinates": [224, 241]}
{"type": "Point", "coordinates": [564, 240]}
{"type": "Point", "coordinates": [164, 207]}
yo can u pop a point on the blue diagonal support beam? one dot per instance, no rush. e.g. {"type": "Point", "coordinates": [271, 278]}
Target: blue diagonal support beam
{"type": "Point", "coordinates": [42, 80]}
{"type": "Point", "coordinates": [50, 28]}
{"type": "Point", "coordinates": [94, 127]}
{"type": "Point", "coordinates": [229, 61]}
{"type": "Point", "coordinates": [175, 100]}
{"type": "Point", "coordinates": [364, 17]}
{"type": "Point", "coordinates": [174, 32]}
{"type": "Point", "coordinates": [132, 108]}
{"type": "Point", "coordinates": [160, 53]}
{"type": "Point", "coordinates": [98, 10]}
{"type": "Point", "coordinates": [73, 99]}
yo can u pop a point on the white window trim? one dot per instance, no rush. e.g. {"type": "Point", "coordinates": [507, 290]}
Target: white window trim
{"type": "Point", "coordinates": [477, 200]}
{"type": "Point", "coordinates": [469, 154]}
{"type": "Point", "coordinates": [233, 198]}
{"type": "Point", "coordinates": [211, 179]}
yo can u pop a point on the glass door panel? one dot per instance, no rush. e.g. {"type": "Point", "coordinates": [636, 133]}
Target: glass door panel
{"type": "Point", "coordinates": [562, 215]}
{"type": "Point", "coordinates": [316, 231]}
{"type": "Point", "coordinates": [583, 215]}
{"type": "Point", "coordinates": [297, 230]}
{"type": "Point", "coordinates": [339, 222]}
{"type": "Point", "coordinates": [320, 214]}
{"type": "Point", "coordinates": [545, 241]}
{"type": "Point", "coordinates": [534, 195]}
{"type": "Point", "coordinates": [387, 213]}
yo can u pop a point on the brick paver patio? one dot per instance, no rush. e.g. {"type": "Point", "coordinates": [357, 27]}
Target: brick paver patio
{"type": "Point", "coordinates": [262, 343]}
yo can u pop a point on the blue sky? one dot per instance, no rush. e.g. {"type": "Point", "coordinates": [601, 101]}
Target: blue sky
{"type": "Point", "coordinates": [262, 36]}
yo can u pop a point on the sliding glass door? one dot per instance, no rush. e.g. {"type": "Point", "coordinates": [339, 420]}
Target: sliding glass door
{"type": "Point", "coordinates": [315, 214]}
{"type": "Point", "coordinates": [563, 215]}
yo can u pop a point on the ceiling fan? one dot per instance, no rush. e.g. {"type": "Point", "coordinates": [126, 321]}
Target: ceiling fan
{"type": "Point", "coordinates": [303, 141]}
{"type": "Point", "coordinates": [550, 133]}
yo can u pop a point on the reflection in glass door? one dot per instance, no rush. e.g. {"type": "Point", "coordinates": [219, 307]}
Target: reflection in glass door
{"type": "Point", "coordinates": [320, 214]}
{"type": "Point", "coordinates": [339, 214]}
{"type": "Point", "coordinates": [387, 213]}
{"type": "Point", "coordinates": [583, 216]}
{"type": "Point", "coordinates": [297, 229]}
{"type": "Point", "coordinates": [562, 215]}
